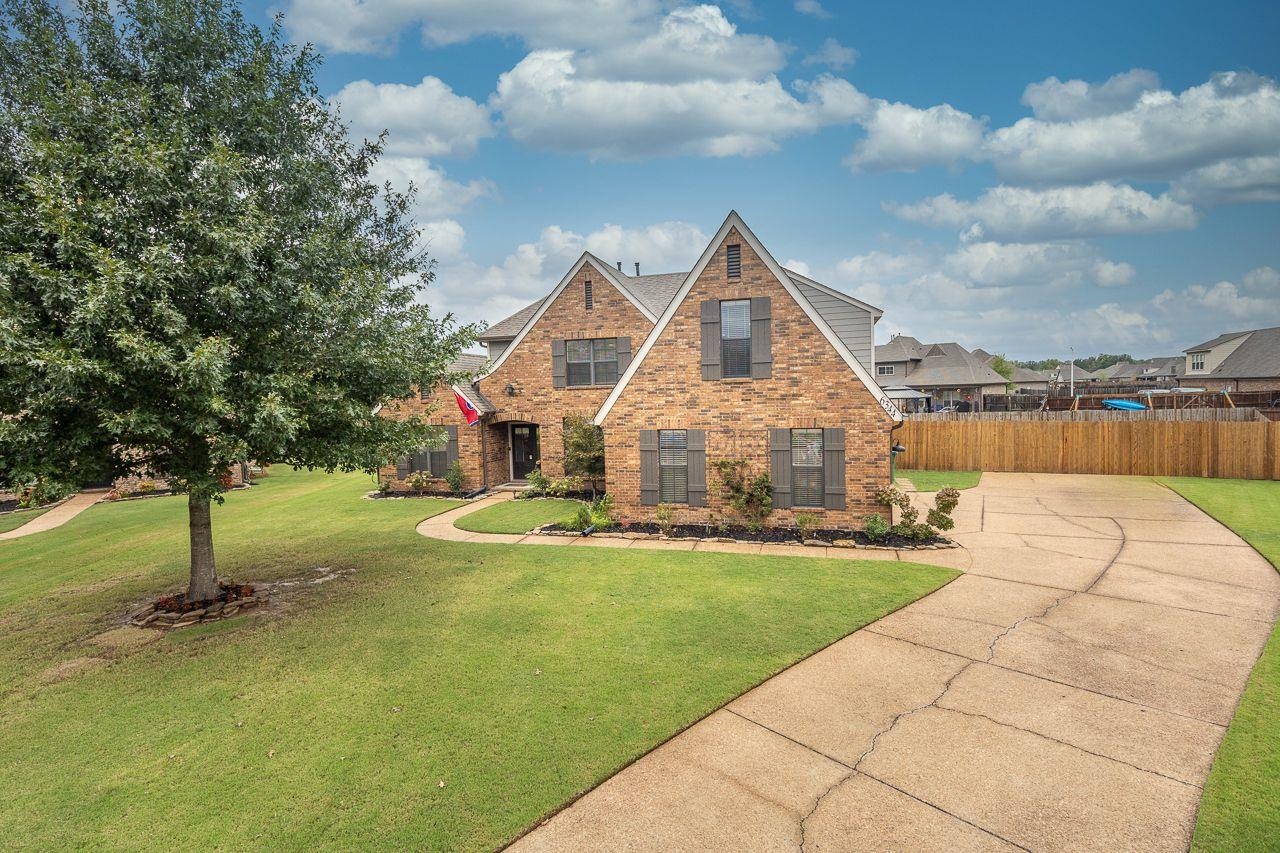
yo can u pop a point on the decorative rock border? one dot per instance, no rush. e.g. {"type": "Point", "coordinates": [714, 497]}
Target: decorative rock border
{"type": "Point", "coordinates": [150, 617]}
{"type": "Point", "coordinates": [808, 543]}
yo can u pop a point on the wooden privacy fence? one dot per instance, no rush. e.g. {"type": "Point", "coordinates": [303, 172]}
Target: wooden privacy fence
{"type": "Point", "coordinates": [1244, 450]}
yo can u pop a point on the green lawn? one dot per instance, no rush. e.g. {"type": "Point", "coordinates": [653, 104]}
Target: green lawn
{"type": "Point", "coordinates": [518, 516]}
{"type": "Point", "coordinates": [932, 481]}
{"type": "Point", "coordinates": [10, 520]}
{"type": "Point", "coordinates": [517, 676]}
{"type": "Point", "coordinates": [1240, 809]}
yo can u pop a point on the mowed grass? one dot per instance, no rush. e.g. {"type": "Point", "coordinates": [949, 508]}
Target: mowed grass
{"type": "Point", "coordinates": [932, 481]}
{"type": "Point", "coordinates": [518, 516]}
{"type": "Point", "coordinates": [1240, 809]}
{"type": "Point", "coordinates": [445, 696]}
{"type": "Point", "coordinates": [11, 520]}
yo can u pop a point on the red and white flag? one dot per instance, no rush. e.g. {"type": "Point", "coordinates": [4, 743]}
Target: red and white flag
{"type": "Point", "coordinates": [468, 411]}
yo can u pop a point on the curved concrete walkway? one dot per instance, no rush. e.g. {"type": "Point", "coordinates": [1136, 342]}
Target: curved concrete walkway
{"type": "Point", "coordinates": [56, 517]}
{"type": "Point", "coordinates": [1067, 693]}
{"type": "Point", "coordinates": [442, 527]}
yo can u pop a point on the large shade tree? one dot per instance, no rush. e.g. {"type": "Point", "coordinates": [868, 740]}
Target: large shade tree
{"type": "Point", "coordinates": [195, 267]}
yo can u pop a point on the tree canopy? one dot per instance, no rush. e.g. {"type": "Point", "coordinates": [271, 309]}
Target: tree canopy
{"type": "Point", "coordinates": [195, 268]}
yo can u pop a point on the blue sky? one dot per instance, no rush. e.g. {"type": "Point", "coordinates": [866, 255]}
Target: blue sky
{"type": "Point", "coordinates": [1100, 176]}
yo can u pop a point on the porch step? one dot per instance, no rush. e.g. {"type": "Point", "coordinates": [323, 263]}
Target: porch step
{"type": "Point", "coordinates": [513, 486]}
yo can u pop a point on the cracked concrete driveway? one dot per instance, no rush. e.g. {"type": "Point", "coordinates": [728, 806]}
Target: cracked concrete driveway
{"type": "Point", "coordinates": [1068, 692]}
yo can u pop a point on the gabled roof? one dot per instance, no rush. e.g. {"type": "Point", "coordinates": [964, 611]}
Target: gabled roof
{"type": "Point", "coordinates": [951, 364]}
{"type": "Point", "coordinates": [655, 291]}
{"type": "Point", "coordinates": [1026, 374]}
{"type": "Point", "coordinates": [1258, 357]}
{"type": "Point", "coordinates": [900, 348]}
{"type": "Point", "coordinates": [1064, 372]}
{"type": "Point", "coordinates": [1146, 369]}
{"type": "Point", "coordinates": [508, 327]}
{"type": "Point", "coordinates": [543, 304]}
{"type": "Point", "coordinates": [731, 222]}
{"type": "Point", "coordinates": [805, 282]}
{"type": "Point", "coordinates": [982, 354]}
{"type": "Point", "coordinates": [468, 363]}
{"type": "Point", "coordinates": [1220, 339]}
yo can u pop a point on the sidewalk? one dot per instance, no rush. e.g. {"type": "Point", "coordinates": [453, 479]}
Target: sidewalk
{"type": "Point", "coordinates": [56, 517]}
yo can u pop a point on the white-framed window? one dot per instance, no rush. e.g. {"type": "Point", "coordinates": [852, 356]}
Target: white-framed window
{"type": "Point", "coordinates": [735, 338]}
{"type": "Point", "coordinates": [1197, 361]}
{"type": "Point", "coordinates": [673, 466]}
{"type": "Point", "coordinates": [807, 483]}
{"type": "Point", "coordinates": [591, 362]}
{"type": "Point", "coordinates": [884, 370]}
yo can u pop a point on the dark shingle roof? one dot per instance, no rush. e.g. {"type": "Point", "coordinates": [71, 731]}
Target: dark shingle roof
{"type": "Point", "coordinates": [509, 327]}
{"type": "Point", "coordinates": [654, 292]}
{"type": "Point", "coordinates": [949, 364]}
{"type": "Point", "coordinates": [900, 348]}
{"type": "Point", "coordinates": [1257, 357]}
{"type": "Point", "coordinates": [468, 363]}
{"type": "Point", "coordinates": [1220, 339]}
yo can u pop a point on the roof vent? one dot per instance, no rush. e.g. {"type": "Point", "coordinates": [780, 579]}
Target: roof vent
{"type": "Point", "coordinates": [619, 266]}
{"type": "Point", "coordinates": [637, 268]}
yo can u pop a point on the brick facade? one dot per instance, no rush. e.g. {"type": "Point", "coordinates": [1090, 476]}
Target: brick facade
{"type": "Point", "coordinates": [1232, 384]}
{"type": "Point", "coordinates": [527, 369]}
{"type": "Point", "coordinates": [811, 386]}
{"type": "Point", "coordinates": [441, 409]}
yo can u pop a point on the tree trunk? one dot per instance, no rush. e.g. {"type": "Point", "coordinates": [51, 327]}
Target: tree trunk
{"type": "Point", "coordinates": [204, 576]}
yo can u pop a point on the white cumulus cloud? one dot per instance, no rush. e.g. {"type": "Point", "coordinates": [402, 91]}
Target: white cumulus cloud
{"type": "Point", "coordinates": [424, 120]}
{"type": "Point", "coordinates": [1019, 213]}
{"type": "Point", "coordinates": [812, 8]}
{"type": "Point", "coordinates": [1234, 114]}
{"type": "Point", "coordinates": [1242, 180]}
{"type": "Point", "coordinates": [547, 104]}
{"type": "Point", "coordinates": [905, 138]}
{"type": "Point", "coordinates": [1054, 100]}
{"type": "Point", "coordinates": [437, 195]}
{"type": "Point", "coordinates": [833, 55]}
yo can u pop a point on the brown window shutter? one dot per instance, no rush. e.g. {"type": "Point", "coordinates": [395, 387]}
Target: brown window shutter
{"type": "Point", "coordinates": [711, 339]}
{"type": "Point", "coordinates": [833, 468]}
{"type": "Point", "coordinates": [421, 461]}
{"type": "Point", "coordinates": [649, 467]}
{"type": "Point", "coordinates": [557, 364]}
{"type": "Point", "coordinates": [697, 443]}
{"type": "Point", "coordinates": [761, 337]}
{"type": "Point", "coordinates": [780, 451]}
{"type": "Point", "coordinates": [624, 355]}
{"type": "Point", "coordinates": [403, 468]}
{"type": "Point", "coordinates": [451, 448]}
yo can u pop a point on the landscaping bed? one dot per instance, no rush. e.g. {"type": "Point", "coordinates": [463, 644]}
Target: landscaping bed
{"type": "Point", "coordinates": [766, 535]}
{"type": "Point", "coordinates": [175, 611]}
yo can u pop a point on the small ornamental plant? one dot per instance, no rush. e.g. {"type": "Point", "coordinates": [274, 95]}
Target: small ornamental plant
{"type": "Point", "coordinates": [146, 487]}
{"type": "Point", "coordinates": [748, 496]}
{"type": "Point", "coordinates": [454, 478]}
{"type": "Point", "coordinates": [806, 523]}
{"type": "Point", "coordinates": [663, 515]}
{"type": "Point", "coordinates": [875, 528]}
{"type": "Point", "coordinates": [538, 484]}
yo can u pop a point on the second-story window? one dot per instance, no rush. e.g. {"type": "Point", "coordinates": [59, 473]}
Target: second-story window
{"type": "Point", "coordinates": [735, 338]}
{"type": "Point", "coordinates": [591, 362]}
{"type": "Point", "coordinates": [1197, 361]}
{"type": "Point", "coordinates": [884, 370]}
{"type": "Point", "coordinates": [586, 295]}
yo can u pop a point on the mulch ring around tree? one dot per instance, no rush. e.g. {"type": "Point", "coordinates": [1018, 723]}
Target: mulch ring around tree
{"type": "Point", "coordinates": [175, 611]}
{"type": "Point", "coordinates": [766, 535]}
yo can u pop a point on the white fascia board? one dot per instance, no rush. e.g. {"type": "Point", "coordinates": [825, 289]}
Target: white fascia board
{"type": "Point", "coordinates": [733, 220]}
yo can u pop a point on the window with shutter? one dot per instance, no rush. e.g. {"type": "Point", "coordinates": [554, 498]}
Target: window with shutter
{"type": "Point", "coordinates": [673, 466]}
{"type": "Point", "coordinates": [591, 362]}
{"type": "Point", "coordinates": [586, 294]}
{"type": "Point", "coordinates": [807, 486]}
{"type": "Point", "coordinates": [735, 338]}
{"type": "Point", "coordinates": [733, 258]}
{"type": "Point", "coordinates": [439, 462]}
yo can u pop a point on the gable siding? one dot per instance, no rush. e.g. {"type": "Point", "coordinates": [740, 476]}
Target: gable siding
{"type": "Point", "coordinates": [528, 367]}
{"type": "Point", "coordinates": [854, 326]}
{"type": "Point", "coordinates": [496, 349]}
{"type": "Point", "coordinates": [810, 386]}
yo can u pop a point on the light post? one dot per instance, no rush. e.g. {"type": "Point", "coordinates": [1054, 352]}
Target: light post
{"type": "Point", "coordinates": [1071, 375]}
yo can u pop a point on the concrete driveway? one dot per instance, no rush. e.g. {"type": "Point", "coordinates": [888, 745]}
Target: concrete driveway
{"type": "Point", "coordinates": [1068, 692]}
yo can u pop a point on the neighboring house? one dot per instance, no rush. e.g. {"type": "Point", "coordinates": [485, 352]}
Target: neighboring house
{"type": "Point", "coordinates": [1066, 374]}
{"type": "Point", "coordinates": [1150, 371]}
{"type": "Point", "coordinates": [748, 362]}
{"type": "Point", "coordinates": [1235, 361]}
{"type": "Point", "coordinates": [948, 373]}
{"type": "Point", "coordinates": [787, 352]}
{"type": "Point", "coordinates": [1028, 381]}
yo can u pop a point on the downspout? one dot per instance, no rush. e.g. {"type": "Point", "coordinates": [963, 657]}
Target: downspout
{"type": "Point", "coordinates": [484, 456]}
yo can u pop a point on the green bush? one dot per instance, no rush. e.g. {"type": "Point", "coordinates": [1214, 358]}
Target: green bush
{"type": "Point", "coordinates": [538, 484]}
{"type": "Point", "coordinates": [750, 497]}
{"type": "Point", "coordinates": [876, 528]}
{"type": "Point", "coordinates": [602, 512]}
{"type": "Point", "coordinates": [418, 481]}
{"type": "Point", "coordinates": [663, 515]}
{"type": "Point", "coordinates": [564, 486]}
{"type": "Point", "coordinates": [909, 526]}
{"type": "Point", "coordinates": [454, 477]}
{"type": "Point", "coordinates": [580, 520]}
{"type": "Point", "coordinates": [944, 502]}
{"type": "Point", "coordinates": [40, 492]}
{"type": "Point", "coordinates": [806, 523]}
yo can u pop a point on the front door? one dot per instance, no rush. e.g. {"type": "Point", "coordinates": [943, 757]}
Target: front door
{"type": "Point", "coordinates": [524, 450]}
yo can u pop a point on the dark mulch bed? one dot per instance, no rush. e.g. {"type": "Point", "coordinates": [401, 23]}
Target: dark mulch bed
{"type": "Point", "coordinates": [11, 505]}
{"type": "Point", "coordinates": [773, 535]}
{"type": "Point", "coordinates": [227, 593]}
{"type": "Point", "coordinates": [585, 496]}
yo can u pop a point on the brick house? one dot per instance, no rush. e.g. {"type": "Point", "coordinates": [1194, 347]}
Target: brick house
{"type": "Point", "coordinates": [737, 358]}
{"type": "Point", "coordinates": [1235, 361]}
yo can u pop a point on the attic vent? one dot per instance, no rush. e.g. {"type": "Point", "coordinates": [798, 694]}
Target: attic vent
{"type": "Point", "coordinates": [586, 292]}
{"type": "Point", "coordinates": [733, 255]}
